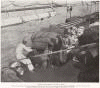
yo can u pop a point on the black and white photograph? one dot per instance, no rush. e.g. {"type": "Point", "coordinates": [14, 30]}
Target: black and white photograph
{"type": "Point", "coordinates": [50, 41]}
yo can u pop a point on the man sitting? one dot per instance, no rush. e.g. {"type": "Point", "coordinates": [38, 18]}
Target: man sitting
{"type": "Point", "coordinates": [21, 54]}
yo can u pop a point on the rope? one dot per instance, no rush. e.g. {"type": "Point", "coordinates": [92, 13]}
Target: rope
{"type": "Point", "coordinates": [59, 51]}
{"type": "Point", "coordinates": [68, 50]}
{"type": "Point", "coordinates": [46, 54]}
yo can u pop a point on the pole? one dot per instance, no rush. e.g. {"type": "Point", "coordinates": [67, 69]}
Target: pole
{"type": "Point", "coordinates": [95, 6]}
{"type": "Point", "coordinates": [66, 9]}
{"type": "Point", "coordinates": [82, 3]}
{"type": "Point", "coordinates": [90, 12]}
{"type": "Point", "coordinates": [70, 14]}
{"type": "Point", "coordinates": [87, 6]}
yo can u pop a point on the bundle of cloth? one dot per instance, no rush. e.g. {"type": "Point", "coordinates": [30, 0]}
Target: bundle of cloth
{"type": "Point", "coordinates": [90, 35]}
{"type": "Point", "coordinates": [40, 40]}
{"type": "Point", "coordinates": [13, 72]}
{"type": "Point", "coordinates": [9, 75]}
